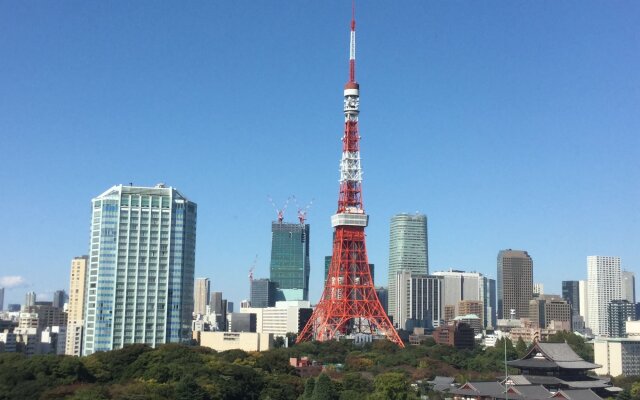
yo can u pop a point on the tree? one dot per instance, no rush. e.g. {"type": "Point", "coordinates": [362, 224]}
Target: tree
{"type": "Point", "coordinates": [521, 347]}
{"type": "Point", "coordinates": [188, 389]}
{"type": "Point", "coordinates": [308, 389]}
{"type": "Point", "coordinates": [278, 342]}
{"type": "Point", "coordinates": [324, 389]}
{"type": "Point", "coordinates": [392, 385]}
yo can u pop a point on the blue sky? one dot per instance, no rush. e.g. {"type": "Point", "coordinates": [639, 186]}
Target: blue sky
{"type": "Point", "coordinates": [510, 124]}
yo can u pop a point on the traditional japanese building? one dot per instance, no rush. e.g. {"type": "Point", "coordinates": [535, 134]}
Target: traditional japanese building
{"type": "Point", "coordinates": [557, 367]}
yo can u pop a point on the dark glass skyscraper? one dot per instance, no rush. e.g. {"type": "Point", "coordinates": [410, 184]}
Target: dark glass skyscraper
{"type": "Point", "coordinates": [571, 293]}
{"type": "Point", "coordinates": [290, 260]}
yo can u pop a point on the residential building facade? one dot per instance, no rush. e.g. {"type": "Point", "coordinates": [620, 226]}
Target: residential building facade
{"type": "Point", "coordinates": [141, 268]}
{"type": "Point", "coordinates": [75, 309]}
{"type": "Point", "coordinates": [604, 284]}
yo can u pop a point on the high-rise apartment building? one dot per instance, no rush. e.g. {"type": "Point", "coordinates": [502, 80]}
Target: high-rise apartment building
{"type": "Point", "coordinates": [604, 285]}
{"type": "Point", "coordinates": [628, 286]}
{"type": "Point", "coordinates": [619, 312]}
{"type": "Point", "coordinates": [290, 265]}
{"type": "Point", "coordinates": [419, 300]}
{"type": "Point", "coordinates": [515, 283]}
{"type": "Point", "coordinates": [460, 285]}
{"type": "Point", "coordinates": [1, 298]}
{"type": "Point", "coordinates": [408, 250]}
{"type": "Point", "coordinates": [201, 296]}
{"type": "Point", "coordinates": [141, 268]}
{"type": "Point", "coordinates": [75, 309]}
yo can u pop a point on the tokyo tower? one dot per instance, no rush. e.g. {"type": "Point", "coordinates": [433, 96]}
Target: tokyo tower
{"type": "Point", "coordinates": [349, 303]}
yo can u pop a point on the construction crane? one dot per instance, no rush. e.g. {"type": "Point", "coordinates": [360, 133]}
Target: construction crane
{"type": "Point", "coordinates": [253, 267]}
{"type": "Point", "coordinates": [302, 211]}
{"type": "Point", "coordinates": [280, 211]}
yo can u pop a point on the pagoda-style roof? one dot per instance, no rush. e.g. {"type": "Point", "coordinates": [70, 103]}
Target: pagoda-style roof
{"type": "Point", "coordinates": [575, 382]}
{"type": "Point", "coordinates": [552, 356]}
{"type": "Point", "coordinates": [495, 390]}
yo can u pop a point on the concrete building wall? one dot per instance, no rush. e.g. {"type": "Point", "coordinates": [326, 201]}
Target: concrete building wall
{"type": "Point", "coordinates": [247, 341]}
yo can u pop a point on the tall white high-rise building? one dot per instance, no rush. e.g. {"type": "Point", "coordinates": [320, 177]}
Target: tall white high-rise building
{"type": "Point", "coordinates": [629, 286]}
{"type": "Point", "coordinates": [538, 289]}
{"type": "Point", "coordinates": [583, 292]}
{"type": "Point", "coordinates": [141, 267]}
{"type": "Point", "coordinates": [201, 296]}
{"type": "Point", "coordinates": [603, 285]}
{"type": "Point", "coordinates": [408, 250]}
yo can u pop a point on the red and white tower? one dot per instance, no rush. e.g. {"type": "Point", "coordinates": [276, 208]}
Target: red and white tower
{"type": "Point", "coordinates": [349, 303]}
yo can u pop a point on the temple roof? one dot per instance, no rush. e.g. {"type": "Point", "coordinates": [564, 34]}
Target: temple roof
{"type": "Point", "coordinates": [552, 355]}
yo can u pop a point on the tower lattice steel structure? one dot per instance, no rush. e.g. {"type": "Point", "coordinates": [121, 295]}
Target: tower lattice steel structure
{"type": "Point", "coordinates": [349, 303]}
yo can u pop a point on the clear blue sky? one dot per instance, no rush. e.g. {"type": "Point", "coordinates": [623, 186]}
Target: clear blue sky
{"type": "Point", "coordinates": [510, 124]}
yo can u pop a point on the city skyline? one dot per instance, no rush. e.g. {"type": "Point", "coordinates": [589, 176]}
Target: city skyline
{"type": "Point", "coordinates": [466, 112]}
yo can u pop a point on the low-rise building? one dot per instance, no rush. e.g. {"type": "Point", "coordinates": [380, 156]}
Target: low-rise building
{"type": "Point", "coordinates": [456, 334]}
{"type": "Point", "coordinates": [246, 341]}
{"type": "Point", "coordinates": [617, 356]}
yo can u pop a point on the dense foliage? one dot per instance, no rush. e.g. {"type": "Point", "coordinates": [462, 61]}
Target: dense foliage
{"type": "Point", "coordinates": [377, 371]}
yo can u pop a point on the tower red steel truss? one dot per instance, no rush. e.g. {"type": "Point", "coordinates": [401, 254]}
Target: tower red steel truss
{"type": "Point", "coordinates": [349, 303]}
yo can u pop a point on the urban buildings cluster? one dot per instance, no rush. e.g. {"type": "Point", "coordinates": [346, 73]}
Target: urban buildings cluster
{"type": "Point", "coordinates": [137, 285]}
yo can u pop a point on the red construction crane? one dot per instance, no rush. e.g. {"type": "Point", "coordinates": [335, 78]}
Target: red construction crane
{"type": "Point", "coordinates": [280, 211]}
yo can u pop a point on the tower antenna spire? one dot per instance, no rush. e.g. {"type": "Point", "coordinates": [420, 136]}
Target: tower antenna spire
{"type": "Point", "coordinates": [352, 44]}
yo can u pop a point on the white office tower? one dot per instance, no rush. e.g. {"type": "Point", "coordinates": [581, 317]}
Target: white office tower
{"type": "Point", "coordinates": [629, 286]}
{"type": "Point", "coordinates": [419, 300]}
{"type": "Point", "coordinates": [141, 267]}
{"type": "Point", "coordinates": [460, 285]}
{"type": "Point", "coordinates": [603, 285]}
{"type": "Point", "coordinates": [408, 250]}
{"type": "Point", "coordinates": [583, 293]}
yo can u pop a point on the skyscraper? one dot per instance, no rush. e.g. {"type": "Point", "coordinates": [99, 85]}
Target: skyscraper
{"type": "Point", "coordinates": [460, 285]}
{"type": "Point", "coordinates": [290, 264]}
{"type": "Point", "coordinates": [263, 293]}
{"type": "Point", "coordinates": [1, 298]}
{"type": "Point", "coordinates": [75, 310]}
{"type": "Point", "coordinates": [628, 286]}
{"type": "Point", "coordinates": [30, 300]}
{"type": "Point", "coordinates": [604, 285]}
{"type": "Point", "coordinates": [59, 298]}
{"type": "Point", "coordinates": [419, 300]}
{"type": "Point", "coordinates": [408, 250]}
{"type": "Point", "coordinates": [515, 283]}
{"type": "Point", "coordinates": [201, 296]}
{"type": "Point", "coordinates": [583, 289]}
{"type": "Point", "coordinates": [571, 293]}
{"type": "Point", "coordinates": [141, 268]}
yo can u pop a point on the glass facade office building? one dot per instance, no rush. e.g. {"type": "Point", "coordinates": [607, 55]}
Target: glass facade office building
{"type": "Point", "coordinates": [408, 250]}
{"type": "Point", "coordinates": [141, 268]}
{"type": "Point", "coordinates": [290, 264]}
